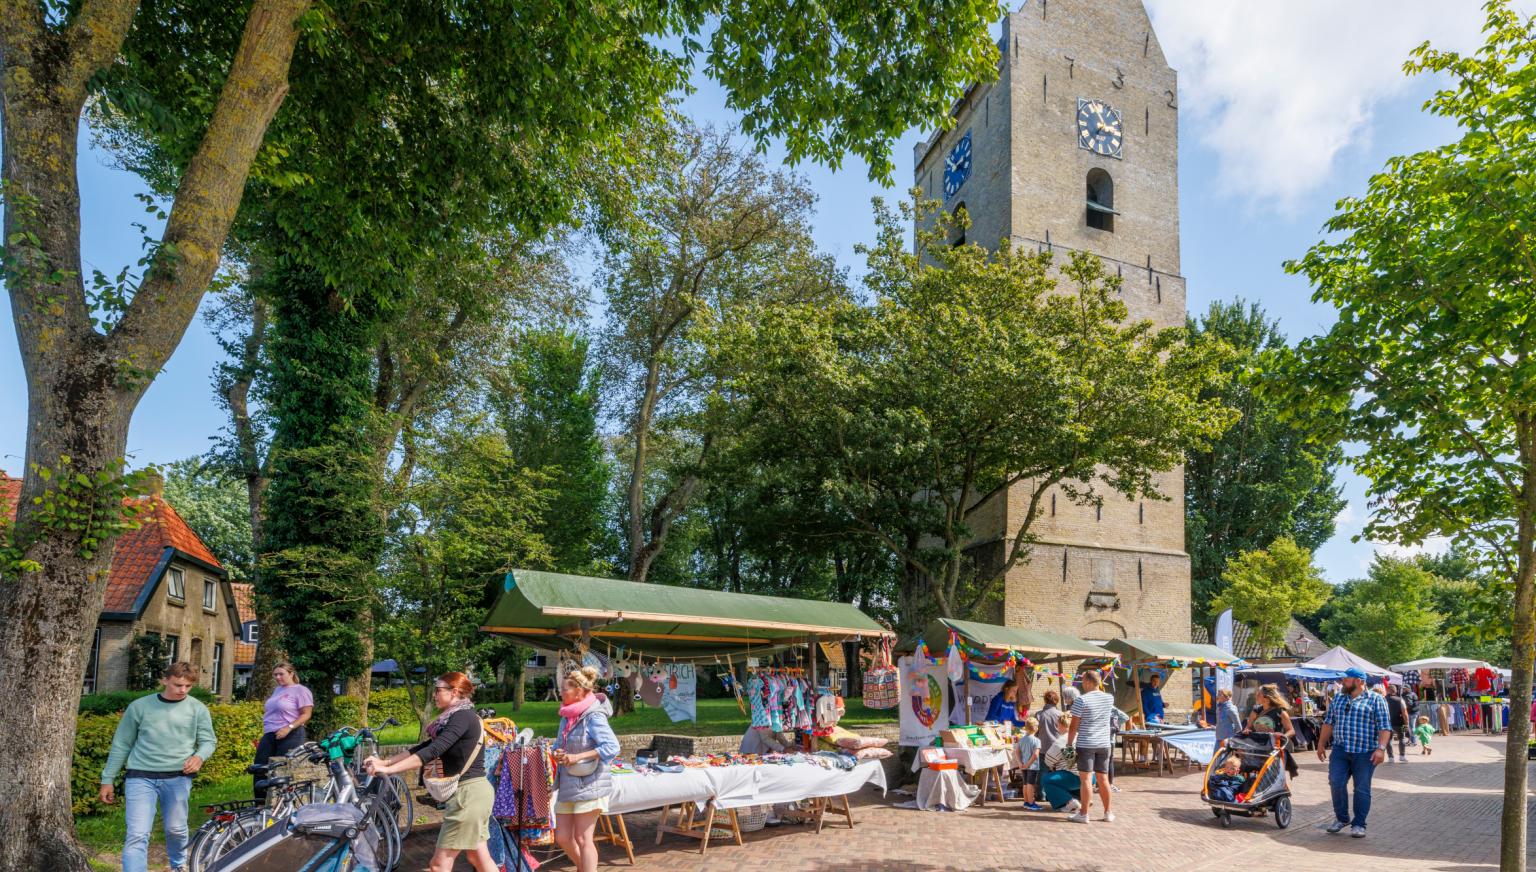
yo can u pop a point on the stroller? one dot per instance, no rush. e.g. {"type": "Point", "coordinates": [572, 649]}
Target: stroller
{"type": "Point", "coordinates": [1264, 787]}
{"type": "Point", "coordinates": [324, 837]}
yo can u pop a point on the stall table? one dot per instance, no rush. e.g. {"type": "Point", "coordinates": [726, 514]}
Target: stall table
{"type": "Point", "coordinates": [985, 765]}
{"type": "Point", "coordinates": [1151, 738]}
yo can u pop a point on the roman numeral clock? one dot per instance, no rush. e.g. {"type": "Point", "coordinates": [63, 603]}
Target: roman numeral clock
{"type": "Point", "coordinates": [1100, 129]}
{"type": "Point", "coordinates": [957, 166]}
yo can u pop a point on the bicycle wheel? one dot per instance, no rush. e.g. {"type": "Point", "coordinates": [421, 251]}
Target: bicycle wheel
{"type": "Point", "coordinates": [402, 805]}
{"type": "Point", "coordinates": [235, 834]}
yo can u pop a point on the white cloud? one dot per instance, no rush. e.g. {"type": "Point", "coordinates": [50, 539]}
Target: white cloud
{"type": "Point", "coordinates": [1279, 90]}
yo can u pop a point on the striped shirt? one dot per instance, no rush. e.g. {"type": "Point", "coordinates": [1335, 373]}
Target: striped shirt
{"type": "Point", "coordinates": [1092, 712]}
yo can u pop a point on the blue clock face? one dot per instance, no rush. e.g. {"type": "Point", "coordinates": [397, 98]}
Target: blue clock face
{"type": "Point", "coordinates": [957, 167]}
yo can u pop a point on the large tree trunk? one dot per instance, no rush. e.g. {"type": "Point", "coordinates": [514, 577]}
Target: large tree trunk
{"type": "Point", "coordinates": [82, 384]}
{"type": "Point", "coordinates": [1512, 840]}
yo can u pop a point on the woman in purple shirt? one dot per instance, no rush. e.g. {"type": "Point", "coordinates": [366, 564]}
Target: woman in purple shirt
{"type": "Point", "coordinates": [288, 710]}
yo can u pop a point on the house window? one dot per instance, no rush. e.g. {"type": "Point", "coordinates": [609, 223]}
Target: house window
{"type": "Point", "coordinates": [253, 632]}
{"type": "Point", "coordinates": [218, 667]}
{"type": "Point", "coordinates": [176, 585]}
{"type": "Point", "coordinates": [538, 661]}
{"type": "Point", "coordinates": [210, 594]}
{"type": "Point", "coordinates": [172, 649]}
{"type": "Point", "coordinates": [1101, 200]}
{"type": "Point", "coordinates": [93, 662]}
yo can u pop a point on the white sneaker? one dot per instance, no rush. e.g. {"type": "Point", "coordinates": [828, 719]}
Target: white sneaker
{"type": "Point", "coordinates": [1073, 806]}
{"type": "Point", "coordinates": [1109, 817]}
{"type": "Point", "coordinates": [1078, 819]}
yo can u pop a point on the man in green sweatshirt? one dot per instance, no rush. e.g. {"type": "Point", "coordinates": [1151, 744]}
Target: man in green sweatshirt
{"type": "Point", "coordinates": [163, 739]}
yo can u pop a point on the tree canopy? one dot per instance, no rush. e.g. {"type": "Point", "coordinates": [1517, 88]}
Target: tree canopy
{"type": "Point", "coordinates": [1429, 366]}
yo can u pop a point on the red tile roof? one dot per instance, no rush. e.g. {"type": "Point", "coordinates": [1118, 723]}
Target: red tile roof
{"type": "Point", "coordinates": [137, 552]}
{"type": "Point", "coordinates": [245, 652]}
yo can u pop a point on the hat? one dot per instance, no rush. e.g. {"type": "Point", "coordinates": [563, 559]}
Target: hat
{"type": "Point", "coordinates": [1355, 672]}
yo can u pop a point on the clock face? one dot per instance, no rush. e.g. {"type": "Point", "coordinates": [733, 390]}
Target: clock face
{"type": "Point", "coordinates": [957, 166]}
{"type": "Point", "coordinates": [1099, 127]}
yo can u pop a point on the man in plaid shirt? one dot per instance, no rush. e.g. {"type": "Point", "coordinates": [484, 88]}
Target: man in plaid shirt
{"type": "Point", "coordinates": [1360, 727]}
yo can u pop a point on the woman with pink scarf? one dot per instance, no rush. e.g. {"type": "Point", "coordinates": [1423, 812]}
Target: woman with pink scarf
{"type": "Point", "coordinates": [584, 749]}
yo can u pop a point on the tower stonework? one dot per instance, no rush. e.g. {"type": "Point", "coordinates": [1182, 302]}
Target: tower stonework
{"type": "Point", "coordinates": [1084, 96]}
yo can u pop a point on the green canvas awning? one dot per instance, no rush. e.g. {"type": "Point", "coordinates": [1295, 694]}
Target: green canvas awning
{"type": "Point", "coordinates": [550, 610]}
{"type": "Point", "coordinates": [1034, 644]}
{"type": "Point", "coordinates": [1141, 651]}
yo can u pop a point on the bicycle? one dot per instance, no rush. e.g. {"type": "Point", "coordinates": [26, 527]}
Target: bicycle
{"type": "Point", "coordinates": [230, 824]}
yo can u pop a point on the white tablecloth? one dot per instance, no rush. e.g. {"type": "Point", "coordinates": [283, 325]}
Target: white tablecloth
{"type": "Point", "coordinates": [944, 790]}
{"type": "Point", "coordinates": [739, 786]}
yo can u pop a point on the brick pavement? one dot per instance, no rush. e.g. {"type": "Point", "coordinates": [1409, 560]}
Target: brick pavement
{"type": "Point", "coordinates": [1434, 813]}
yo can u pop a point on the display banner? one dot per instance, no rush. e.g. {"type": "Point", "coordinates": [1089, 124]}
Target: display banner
{"type": "Point", "coordinates": [924, 700]}
{"type": "Point", "coordinates": [1198, 744]}
{"type": "Point", "coordinates": [973, 698]}
{"type": "Point", "coordinates": [1223, 640]}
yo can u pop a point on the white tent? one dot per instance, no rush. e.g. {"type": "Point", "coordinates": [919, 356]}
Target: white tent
{"type": "Point", "coordinates": [1338, 658]}
{"type": "Point", "coordinates": [1439, 663]}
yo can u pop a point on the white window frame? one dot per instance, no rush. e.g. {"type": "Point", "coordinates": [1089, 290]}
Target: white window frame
{"type": "Point", "coordinates": [210, 594]}
{"type": "Point", "coordinates": [253, 635]}
{"type": "Point", "coordinates": [174, 654]}
{"type": "Point", "coordinates": [93, 665]}
{"type": "Point", "coordinates": [218, 666]}
{"type": "Point", "coordinates": [176, 585]}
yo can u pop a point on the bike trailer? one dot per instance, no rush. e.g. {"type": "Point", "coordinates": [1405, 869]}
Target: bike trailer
{"type": "Point", "coordinates": [324, 837]}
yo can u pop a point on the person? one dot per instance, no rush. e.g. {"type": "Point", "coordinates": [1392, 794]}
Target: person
{"type": "Point", "coordinates": [287, 711]}
{"type": "Point", "coordinates": [1030, 760]}
{"type": "Point", "coordinates": [1227, 780]}
{"type": "Point", "coordinates": [163, 740]}
{"type": "Point", "coordinates": [1152, 700]}
{"type": "Point", "coordinates": [1358, 727]}
{"type": "Point", "coordinates": [1003, 708]}
{"type": "Point", "coordinates": [1411, 699]}
{"type": "Point", "coordinates": [1228, 719]}
{"type": "Point", "coordinates": [454, 740]}
{"type": "Point", "coordinates": [1271, 715]}
{"type": "Point", "coordinates": [1424, 731]}
{"type": "Point", "coordinates": [585, 737]}
{"type": "Point", "coordinates": [1397, 711]}
{"type": "Point", "coordinates": [1049, 719]}
{"type": "Point", "coordinates": [1090, 736]}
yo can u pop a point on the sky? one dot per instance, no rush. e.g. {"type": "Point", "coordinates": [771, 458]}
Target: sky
{"type": "Point", "coordinates": [1285, 108]}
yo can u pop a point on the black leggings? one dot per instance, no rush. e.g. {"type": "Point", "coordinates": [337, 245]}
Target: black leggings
{"type": "Point", "coordinates": [271, 746]}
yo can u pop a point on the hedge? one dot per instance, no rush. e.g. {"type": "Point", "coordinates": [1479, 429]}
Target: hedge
{"type": "Point", "coordinates": [117, 700]}
{"type": "Point", "coordinates": [237, 727]}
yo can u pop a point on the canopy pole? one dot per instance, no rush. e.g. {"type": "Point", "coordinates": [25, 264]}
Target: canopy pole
{"type": "Point", "coordinates": [811, 643]}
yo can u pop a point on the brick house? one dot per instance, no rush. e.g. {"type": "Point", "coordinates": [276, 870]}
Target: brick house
{"type": "Point", "coordinates": [245, 648]}
{"type": "Point", "coordinates": [164, 581]}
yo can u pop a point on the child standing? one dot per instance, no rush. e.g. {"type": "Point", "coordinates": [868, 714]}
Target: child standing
{"type": "Point", "coordinates": [1029, 758]}
{"type": "Point", "coordinates": [1423, 731]}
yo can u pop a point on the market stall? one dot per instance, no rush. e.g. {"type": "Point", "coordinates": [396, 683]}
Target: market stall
{"type": "Point", "coordinates": [950, 679]}
{"type": "Point", "coordinates": [1149, 743]}
{"type": "Point", "coordinates": [666, 632]}
{"type": "Point", "coordinates": [1451, 691]}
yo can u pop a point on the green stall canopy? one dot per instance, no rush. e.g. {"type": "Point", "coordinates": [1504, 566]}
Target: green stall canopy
{"type": "Point", "coordinates": [1137, 652]}
{"type": "Point", "coordinates": [1034, 644]}
{"type": "Point", "coordinates": [550, 610]}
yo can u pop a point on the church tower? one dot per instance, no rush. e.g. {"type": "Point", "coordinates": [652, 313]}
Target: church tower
{"type": "Point", "coordinates": [1075, 148]}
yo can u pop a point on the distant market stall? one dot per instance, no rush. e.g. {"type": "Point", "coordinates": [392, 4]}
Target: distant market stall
{"type": "Point", "coordinates": [665, 632]}
{"type": "Point", "coordinates": [1140, 659]}
{"type": "Point", "coordinates": [1458, 693]}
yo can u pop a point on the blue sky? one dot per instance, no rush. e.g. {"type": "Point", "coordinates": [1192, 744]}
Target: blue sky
{"type": "Point", "coordinates": [1313, 89]}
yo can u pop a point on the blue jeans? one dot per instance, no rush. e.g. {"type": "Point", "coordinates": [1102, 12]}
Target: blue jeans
{"type": "Point", "coordinates": [1343, 766]}
{"type": "Point", "coordinates": [140, 796]}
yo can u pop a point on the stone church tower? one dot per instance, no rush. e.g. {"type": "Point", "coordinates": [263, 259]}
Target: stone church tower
{"type": "Point", "coordinates": [1075, 148]}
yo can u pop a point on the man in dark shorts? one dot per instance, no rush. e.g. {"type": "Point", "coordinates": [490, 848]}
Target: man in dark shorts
{"type": "Point", "coordinates": [1092, 719]}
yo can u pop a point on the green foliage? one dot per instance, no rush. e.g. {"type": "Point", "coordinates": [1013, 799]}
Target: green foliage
{"type": "Point", "coordinates": [217, 508]}
{"type": "Point", "coordinates": [1428, 366]}
{"type": "Point", "coordinates": [466, 520]}
{"type": "Point", "coordinates": [546, 402]}
{"type": "Point", "coordinates": [1388, 617]}
{"type": "Point", "coordinates": [1264, 588]}
{"type": "Point", "coordinates": [79, 507]}
{"type": "Point", "coordinates": [1476, 605]}
{"type": "Point", "coordinates": [390, 703]}
{"type": "Point", "coordinates": [894, 405]}
{"type": "Point", "coordinates": [116, 701]}
{"type": "Point", "coordinates": [148, 654]}
{"type": "Point", "coordinates": [236, 727]}
{"type": "Point", "coordinates": [1265, 477]}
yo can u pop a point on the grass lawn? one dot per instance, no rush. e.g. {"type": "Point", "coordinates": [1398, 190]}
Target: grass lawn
{"type": "Point", "coordinates": [103, 833]}
{"type": "Point", "coordinates": [717, 717]}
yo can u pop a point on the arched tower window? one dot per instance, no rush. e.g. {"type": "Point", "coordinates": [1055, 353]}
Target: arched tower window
{"type": "Point", "coordinates": [1101, 200]}
{"type": "Point", "coordinates": [957, 229]}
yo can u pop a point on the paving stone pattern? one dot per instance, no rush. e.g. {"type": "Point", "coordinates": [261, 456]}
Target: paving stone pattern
{"type": "Point", "coordinates": [1434, 813]}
